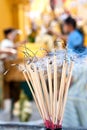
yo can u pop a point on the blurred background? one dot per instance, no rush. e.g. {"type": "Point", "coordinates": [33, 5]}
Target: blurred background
{"type": "Point", "coordinates": [31, 22]}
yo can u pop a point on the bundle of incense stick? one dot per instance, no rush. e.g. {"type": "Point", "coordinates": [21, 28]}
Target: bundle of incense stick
{"type": "Point", "coordinates": [49, 93]}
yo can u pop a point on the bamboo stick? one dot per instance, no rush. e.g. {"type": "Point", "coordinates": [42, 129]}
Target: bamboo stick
{"type": "Point", "coordinates": [50, 104]}
{"type": "Point", "coordinates": [61, 90]}
{"type": "Point", "coordinates": [45, 91]}
{"type": "Point", "coordinates": [67, 88]}
{"type": "Point", "coordinates": [55, 90]}
{"type": "Point", "coordinates": [37, 91]}
{"type": "Point", "coordinates": [49, 73]}
{"type": "Point", "coordinates": [40, 92]}
{"type": "Point", "coordinates": [28, 73]}
{"type": "Point", "coordinates": [34, 96]}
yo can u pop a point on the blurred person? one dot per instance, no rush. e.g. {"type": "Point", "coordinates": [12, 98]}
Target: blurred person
{"type": "Point", "coordinates": [10, 36]}
{"type": "Point", "coordinates": [53, 4]}
{"type": "Point", "coordinates": [74, 36]}
{"type": "Point", "coordinates": [6, 102]}
{"type": "Point", "coordinates": [1, 73]}
{"type": "Point", "coordinates": [8, 43]}
{"type": "Point", "coordinates": [76, 107]}
{"type": "Point", "coordinates": [3, 52]}
{"type": "Point", "coordinates": [8, 50]}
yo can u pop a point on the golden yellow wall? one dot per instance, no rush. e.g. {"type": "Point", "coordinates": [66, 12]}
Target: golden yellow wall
{"type": "Point", "coordinates": [12, 15]}
{"type": "Point", "coordinates": [5, 16]}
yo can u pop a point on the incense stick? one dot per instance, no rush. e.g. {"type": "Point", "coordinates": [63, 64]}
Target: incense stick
{"type": "Point", "coordinates": [24, 73]}
{"type": "Point", "coordinates": [40, 91]}
{"type": "Point", "coordinates": [51, 104]}
{"type": "Point", "coordinates": [50, 87]}
{"type": "Point", "coordinates": [61, 90]}
{"type": "Point", "coordinates": [67, 88]}
{"type": "Point", "coordinates": [44, 86]}
{"type": "Point", "coordinates": [63, 83]}
{"type": "Point", "coordinates": [37, 91]}
{"type": "Point", "coordinates": [55, 90]}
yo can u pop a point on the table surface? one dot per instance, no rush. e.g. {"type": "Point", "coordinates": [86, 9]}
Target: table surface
{"type": "Point", "coordinates": [26, 126]}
